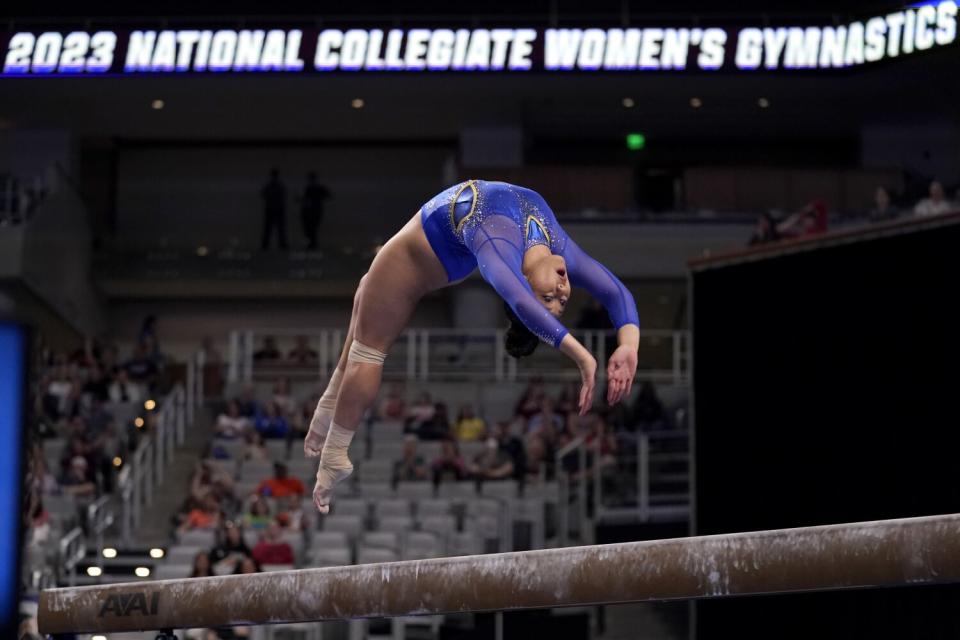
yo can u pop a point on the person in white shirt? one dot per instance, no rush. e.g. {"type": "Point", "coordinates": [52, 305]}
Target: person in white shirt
{"type": "Point", "coordinates": [936, 204]}
{"type": "Point", "coordinates": [230, 424]}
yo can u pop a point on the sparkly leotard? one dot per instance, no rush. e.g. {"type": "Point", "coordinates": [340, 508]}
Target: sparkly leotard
{"type": "Point", "coordinates": [490, 225]}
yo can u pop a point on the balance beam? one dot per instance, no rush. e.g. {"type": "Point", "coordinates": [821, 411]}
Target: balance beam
{"type": "Point", "coordinates": [884, 553]}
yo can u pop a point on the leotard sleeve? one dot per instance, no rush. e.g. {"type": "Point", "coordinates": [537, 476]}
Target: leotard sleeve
{"type": "Point", "coordinates": [589, 274]}
{"type": "Point", "coordinates": [497, 243]}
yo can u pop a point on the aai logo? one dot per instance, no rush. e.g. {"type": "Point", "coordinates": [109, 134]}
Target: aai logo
{"type": "Point", "coordinates": [126, 604]}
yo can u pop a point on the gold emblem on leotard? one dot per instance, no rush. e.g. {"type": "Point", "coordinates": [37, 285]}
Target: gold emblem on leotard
{"type": "Point", "coordinates": [473, 205]}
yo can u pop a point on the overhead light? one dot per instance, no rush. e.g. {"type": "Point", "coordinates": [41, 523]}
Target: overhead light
{"type": "Point", "coordinates": [763, 103]}
{"type": "Point", "coordinates": [357, 103]}
{"type": "Point", "coordinates": [628, 103]}
{"type": "Point", "coordinates": [157, 104]}
{"type": "Point", "coordinates": [696, 103]}
{"type": "Point", "coordinates": [150, 405]}
{"type": "Point", "coordinates": [138, 422]}
{"type": "Point", "coordinates": [156, 553]}
{"type": "Point", "coordinates": [117, 461]}
{"type": "Point", "coordinates": [202, 250]}
{"type": "Point", "coordinates": [94, 572]}
{"type": "Point", "coordinates": [142, 572]}
{"type": "Point", "coordinates": [109, 552]}
{"type": "Point", "coordinates": [98, 637]}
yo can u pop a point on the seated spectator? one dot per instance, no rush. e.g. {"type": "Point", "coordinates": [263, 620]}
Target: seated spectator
{"type": "Point", "coordinates": [271, 423]}
{"type": "Point", "coordinates": [492, 464]}
{"type": "Point", "coordinates": [230, 550]}
{"type": "Point", "coordinates": [449, 465]}
{"type": "Point", "coordinates": [302, 354]}
{"type": "Point", "coordinates": [883, 207]}
{"type": "Point", "coordinates": [269, 351]}
{"type": "Point", "coordinates": [766, 231]}
{"type": "Point", "coordinates": [935, 204]}
{"type": "Point", "coordinates": [531, 399]}
{"type": "Point", "coordinates": [283, 397]}
{"type": "Point", "coordinates": [648, 413]}
{"type": "Point", "coordinates": [201, 566]}
{"type": "Point", "coordinates": [809, 220]}
{"type": "Point", "coordinates": [247, 565]}
{"type": "Point", "coordinates": [142, 367]}
{"type": "Point", "coordinates": [300, 420]}
{"type": "Point", "coordinates": [512, 446]}
{"type": "Point", "coordinates": [537, 462]}
{"type": "Point", "coordinates": [247, 401]}
{"type": "Point", "coordinates": [438, 427]}
{"type": "Point", "coordinates": [281, 485]}
{"type": "Point", "coordinates": [206, 516]}
{"type": "Point", "coordinates": [569, 399]}
{"type": "Point", "coordinates": [97, 385]}
{"type": "Point", "coordinates": [78, 480]}
{"type": "Point", "coordinates": [230, 424]}
{"type": "Point", "coordinates": [291, 516]}
{"type": "Point", "coordinates": [422, 411]}
{"type": "Point", "coordinates": [272, 549]}
{"type": "Point", "coordinates": [393, 406]}
{"type": "Point", "coordinates": [258, 516]}
{"type": "Point", "coordinates": [42, 481]}
{"type": "Point", "coordinates": [469, 426]}
{"type": "Point", "coordinates": [255, 448]}
{"type": "Point", "coordinates": [545, 422]}
{"type": "Point", "coordinates": [601, 442]}
{"type": "Point", "coordinates": [123, 389]}
{"type": "Point", "coordinates": [210, 478]}
{"type": "Point", "coordinates": [410, 467]}
{"type": "Point", "coordinates": [40, 524]}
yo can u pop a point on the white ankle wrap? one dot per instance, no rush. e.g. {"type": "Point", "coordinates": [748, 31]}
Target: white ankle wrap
{"type": "Point", "coordinates": [362, 353]}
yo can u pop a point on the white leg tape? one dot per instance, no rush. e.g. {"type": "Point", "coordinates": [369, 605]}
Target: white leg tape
{"type": "Point", "coordinates": [362, 353]}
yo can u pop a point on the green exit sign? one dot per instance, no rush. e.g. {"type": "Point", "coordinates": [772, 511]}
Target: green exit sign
{"type": "Point", "coordinates": [636, 141]}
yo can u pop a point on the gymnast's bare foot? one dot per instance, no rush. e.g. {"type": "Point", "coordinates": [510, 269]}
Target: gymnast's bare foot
{"type": "Point", "coordinates": [317, 435]}
{"type": "Point", "coordinates": [327, 479]}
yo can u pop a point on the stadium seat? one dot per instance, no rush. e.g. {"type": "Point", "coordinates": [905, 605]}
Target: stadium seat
{"type": "Point", "coordinates": [328, 539]}
{"type": "Point", "coordinates": [415, 490]}
{"type": "Point", "coordinates": [434, 507]}
{"type": "Point", "coordinates": [330, 557]}
{"type": "Point", "coordinates": [350, 525]}
{"type": "Point", "coordinates": [205, 538]}
{"type": "Point", "coordinates": [169, 571]}
{"type": "Point", "coordinates": [375, 471]}
{"type": "Point", "coordinates": [182, 554]}
{"type": "Point", "coordinates": [349, 507]}
{"type": "Point", "coordinates": [375, 490]}
{"type": "Point", "coordinates": [391, 507]}
{"type": "Point", "coordinates": [443, 525]}
{"type": "Point", "coordinates": [458, 490]}
{"type": "Point", "coordinates": [398, 524]}
{"type": "Point", "coordinates": [381, 539]}
{"type": "Point", "coordinates": [503, 489]}
{"type": "Point", "coordinates": [464, 543]}
{"type": "Point", "coordinates": [369, 555]}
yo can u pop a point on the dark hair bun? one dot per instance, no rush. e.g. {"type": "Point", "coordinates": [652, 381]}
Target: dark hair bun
{"type": "Point", "coordinates": [520, 342]}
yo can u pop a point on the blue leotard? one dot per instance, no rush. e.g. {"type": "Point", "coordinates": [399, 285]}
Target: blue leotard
{"type": "Point", "coordinates": [490, 225]}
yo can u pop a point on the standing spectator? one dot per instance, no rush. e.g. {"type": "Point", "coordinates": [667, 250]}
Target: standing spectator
{"type": "Point", "coordinates": [269, 351]}
{"type": "Point", "coordinates": [449, 464]}
{"type": "Point", "coordinates": [230, 424]}
{"type": "Point", "coordinates": [272, 549]}
{"type": "Point", "coordinates": [311, 211]}
{"type": "Point", "coordinates": [274, 195]}
{"type": "Point", "coordinates": [281, 484]}
{"type": "Point", "coordinates": [302, 354]}
{"type": "Point", "coordinates": [469, 426]}
{"type": "Point", "coordinates": [410, 467]}
{"type": "Point", "coordinates": [271, 423]}
{"type": "Point", "coordinates": [766, 231]}
{"type": "Point", "coordinates": [935, 204]}
{"type": "Point", "coordinates": [883, 207]}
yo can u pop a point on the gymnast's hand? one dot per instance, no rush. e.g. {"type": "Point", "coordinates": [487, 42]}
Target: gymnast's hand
{"type": "Point", "coordinates": [588, 376]}
{"type": "Point", "coordinates": [621, 369]}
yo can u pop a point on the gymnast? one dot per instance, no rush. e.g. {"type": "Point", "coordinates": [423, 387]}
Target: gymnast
{"type": "Point", "coordinates": [512, 236]}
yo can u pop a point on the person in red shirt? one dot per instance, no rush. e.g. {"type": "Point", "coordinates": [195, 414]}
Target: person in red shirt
{"type": "Point", "coordinates": [272, 549]}
{"type": "Point", "coordinates": [281, 485]}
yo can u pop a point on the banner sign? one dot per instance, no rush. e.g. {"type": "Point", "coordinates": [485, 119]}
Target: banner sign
{"type": "Point", "coordinates": [101, 52]}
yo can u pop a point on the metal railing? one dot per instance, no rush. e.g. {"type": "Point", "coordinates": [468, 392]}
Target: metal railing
{"type": "Point", "coordinates": [459, 354]}
{"type": "Point", "coordinates": [70, 552]}
{"type": "Point", "coordinates": [147, 466]}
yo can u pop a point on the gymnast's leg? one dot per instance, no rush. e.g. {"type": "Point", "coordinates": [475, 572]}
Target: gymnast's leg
{"type": "Point", "coordinates": [323, 414]}
{"type": "Point", "coordinates": [385, 302]}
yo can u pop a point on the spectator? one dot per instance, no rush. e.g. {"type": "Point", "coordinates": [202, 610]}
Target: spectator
{"type": "Point", "coordinates": [201, 566]}
{"type": "Point", "coordinates": [42, 481]}
{"type": "Point", "coordinates": [809, 220]}
{"type": "Point", "coordinates": [883, 207]}
{"type": "Point", "coordinates": [410, 467]}
{"type": "Point", "coordinates": [648, 413]}
{"type": "Point", "coordinates": [393, 406]}
{"type": "Point", "coordinates": [274, 195]}
{"type": "Point", "coordinates": [97, 385]}
{"type": "Point", "coordinates": [247, 565]}
{"type": "Point", "coordinates": [141, 367]}
{"type": "Point", "coordinates": [269, 352]}
{"type": "Point", "coordinates": [438, 427]}
{"type": "Point", "coordinates": [258, 515]}
{"type": "Point", "coordinates": [207, 515]}
{"type": "Point", "coordinates": [272, 549]}
{"type": "Point", "coordinates": [209, 478]}
{"type": "Point", "coordinates": [281, 484]}
{"type": "Point", "coordinates": [77, 480]}
{"type": "Point", "coordinates": [291, 515]}
{"type": "Point", "coordinates": [122, 389]}
{"type": "Point", "coordinates": [545, 423]}
{"type": "Point", "coordinates": [531, 400]}
{"type": "Point", "coordinates": [569, 399]}
{"type": "Point", "coordinates": [283, 397]}
{"type": "Point", "coordinates": [492, 464]}
{"type": "Point", "coordinates": [537, 462]}
{"type": "Point", "coordinates": [766, 231]}
{"type": "Point", "coordinates": [419, 413]}
{"type": "Point", "coordinates": [230, 550]}
{"type": "Point", "coordinates": [311, 212]}
{"type": "Point", "coordinates": [230, 424]}
{"type": "Point", "coordinates": [935, 204]}
{"type": "Point", "coordinates": [469, 427]}
{"type": "Point", "coordinates": [512, 446]}
{"type": "Point", "coordinates": [271, 423]}
{"type": "Point", "coordinates": [148, 332]}
{"type": "Point", "coordinates": [247, 401]}
{"type": "Point", "coordinates": [255, 448]}
{"type": "Point", "coordinates": [601, 442]}
{"type": "Point", "coordinates": [449, 465]}
{"type": "Point", "coordinates": [302, 354]}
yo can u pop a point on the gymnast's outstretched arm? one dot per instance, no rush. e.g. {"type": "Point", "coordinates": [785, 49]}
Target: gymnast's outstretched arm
{"type": "Point", "coordinates": [589, 274]}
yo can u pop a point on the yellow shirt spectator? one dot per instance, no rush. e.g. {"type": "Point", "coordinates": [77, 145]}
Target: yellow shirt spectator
{"type": "Point", "coordinates": [469, 426]}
